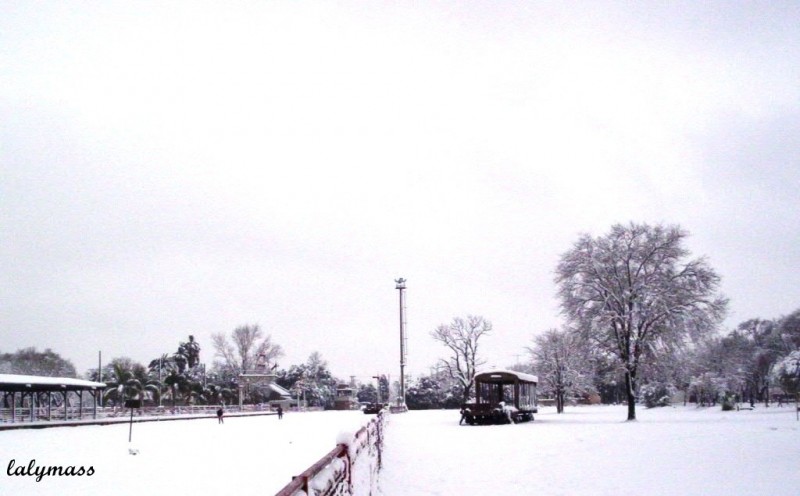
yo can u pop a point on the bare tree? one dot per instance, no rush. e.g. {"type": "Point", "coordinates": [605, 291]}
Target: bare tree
{"type": "Point", "coordinates": [461, 336]}
{"type": "Point", "coordinates": [247, 347]}
{"type": "Point", "coordinates": [632, 295]}
{"type": "Point", "coordinates": [561, 361]}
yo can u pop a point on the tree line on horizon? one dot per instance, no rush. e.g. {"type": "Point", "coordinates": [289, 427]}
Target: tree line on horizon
{"type": "Point", "coordinates": [641, 324]}
{"type": "Point", "coordinates": [180, 378]}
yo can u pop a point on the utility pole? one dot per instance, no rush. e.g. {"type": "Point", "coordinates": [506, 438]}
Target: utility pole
{"type": "Point", "coordinates": [160, 384]}
{"type": "Point", "coordinates": [401, 287]}
{"type": "Point", "coordinates": [100, 374]}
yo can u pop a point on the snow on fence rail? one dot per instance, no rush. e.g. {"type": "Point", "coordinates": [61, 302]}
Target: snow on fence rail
{"type": "Point", "coordinates": [349, 468]}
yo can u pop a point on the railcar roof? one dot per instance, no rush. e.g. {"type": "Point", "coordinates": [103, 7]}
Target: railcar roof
{"type": "Point", "coordinates": [505, 375]}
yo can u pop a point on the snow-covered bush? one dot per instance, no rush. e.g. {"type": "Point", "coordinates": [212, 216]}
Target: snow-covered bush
{"type": "Point", "coordinates": [656, 394]}
{"type": "Point", "coordinates": [786, 372]}
{"type": "Point", "coordinates": [728, 402]}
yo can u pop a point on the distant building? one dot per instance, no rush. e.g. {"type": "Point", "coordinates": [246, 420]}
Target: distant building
{"type": "Point", "coordinates": [280, 396]}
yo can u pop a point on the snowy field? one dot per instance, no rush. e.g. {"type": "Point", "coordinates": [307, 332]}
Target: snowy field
{"type": "Point", "coordinates": [592, 451]}
{"type": "Point", "coordinates": [244, 456]}
{"type": "Point", "coordinates": [587, 451]}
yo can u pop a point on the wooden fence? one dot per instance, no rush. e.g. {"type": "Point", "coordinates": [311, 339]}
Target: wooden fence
{"type": "Point", "coordinates": [345, 467]}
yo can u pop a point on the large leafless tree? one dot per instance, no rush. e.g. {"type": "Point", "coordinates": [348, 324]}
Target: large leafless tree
{"type": "Point", "coordinates": [633, 294]}
{"type": "Point", "coordinates": [461, 337]}
{"type": "Point", "coordinates": [248, 346]}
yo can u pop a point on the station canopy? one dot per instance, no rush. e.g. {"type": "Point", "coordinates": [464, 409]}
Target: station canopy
{"type": "Point", "coordinates": [35, 383]}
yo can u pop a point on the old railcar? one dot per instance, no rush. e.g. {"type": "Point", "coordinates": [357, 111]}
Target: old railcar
{"type": "Point", "coordinates": [502, 397]}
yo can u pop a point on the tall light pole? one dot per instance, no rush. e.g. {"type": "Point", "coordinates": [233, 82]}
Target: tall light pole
{"type": "Point", "coordinates": [401, 287]}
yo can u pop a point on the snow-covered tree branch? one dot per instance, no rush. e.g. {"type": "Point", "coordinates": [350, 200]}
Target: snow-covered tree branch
{"type": "Point", "coordinates": [461, 337]}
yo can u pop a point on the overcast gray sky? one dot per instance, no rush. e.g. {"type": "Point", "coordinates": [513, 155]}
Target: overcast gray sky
{"type": "Point", "coordinates": [176, 168]}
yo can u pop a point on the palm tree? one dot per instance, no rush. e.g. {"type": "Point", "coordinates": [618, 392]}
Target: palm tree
{"type": "Point", "coordinates": [129, 381]}
{"type": "Point", "coordinates": [159, 369]}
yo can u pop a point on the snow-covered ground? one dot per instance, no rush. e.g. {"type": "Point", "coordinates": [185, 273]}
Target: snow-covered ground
{"type": "Point", "coordinates": [244, 456]}
{"type": "Point", "coordinates": [587, 450]}
{"type": "Point", "coordinates": [593, 451]}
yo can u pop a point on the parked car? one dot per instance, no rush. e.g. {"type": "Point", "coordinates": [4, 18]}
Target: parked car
{"type": "Point", "coordinates": [373, 408]}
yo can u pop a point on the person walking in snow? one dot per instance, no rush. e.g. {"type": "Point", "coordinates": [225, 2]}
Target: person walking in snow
{"type": "Point", "coordinates": [220, 413]}
{"type": "Point", "coordinates": [280, 412]}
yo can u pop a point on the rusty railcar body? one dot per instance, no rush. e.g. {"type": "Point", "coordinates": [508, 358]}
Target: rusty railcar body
{"type": "Point", "coordinates": [502, 397]}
